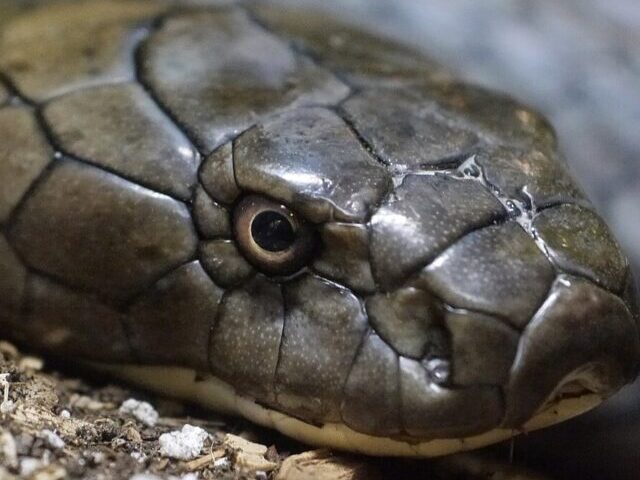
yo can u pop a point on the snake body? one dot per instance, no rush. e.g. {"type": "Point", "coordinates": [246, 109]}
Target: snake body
{"type": "Point", "coordinates": [333, 229]}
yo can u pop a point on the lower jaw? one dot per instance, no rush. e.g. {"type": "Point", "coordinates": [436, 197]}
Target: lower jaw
{"type": "Point", "coordinates": [214, 394]}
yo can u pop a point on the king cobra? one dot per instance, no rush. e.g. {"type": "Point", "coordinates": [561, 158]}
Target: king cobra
{"type": "Point", "coordinates": [279, 216]}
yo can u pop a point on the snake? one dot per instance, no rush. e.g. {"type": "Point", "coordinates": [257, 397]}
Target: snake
{"type": "Point", "coordinates": [278, 215]}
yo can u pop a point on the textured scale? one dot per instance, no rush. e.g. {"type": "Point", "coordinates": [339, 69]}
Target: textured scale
{"type": "Point", "coordinates": [462, 275]}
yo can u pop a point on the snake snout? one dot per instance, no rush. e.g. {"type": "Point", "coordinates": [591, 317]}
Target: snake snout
{"type": "Point", "coordinates": [583, 339]}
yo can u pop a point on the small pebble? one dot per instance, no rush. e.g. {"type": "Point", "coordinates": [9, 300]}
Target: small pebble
{"type": "Point", "coordinates": [145, 476]}
{"type": "Point", "coordinates": [52, 439]}
{"type": "Point", "coordinates": [86, 403]}
{"type": "Point", "coordinates": [7, 407]}
{"type": "Point", "coordinates": [8, 350]}
{"type": "Point", "coordinates": [185, 444]}
{"type": "Point", "coordinates": [138, 456]}
{"type": "Point", "coordinates": [65, 414]}
{"type": "Point", "coordinates": [8, 450]}
{"type": "Point", "coordinates": [222, 463]}
{"type": "Point", "coordinates": [31, 363]}
{"type": "Point", "coordinates": [141, 411]}
{"type": "Point", "coordinates": [29, 465]}
{"type": "Point", "coordinates": [96, 458]}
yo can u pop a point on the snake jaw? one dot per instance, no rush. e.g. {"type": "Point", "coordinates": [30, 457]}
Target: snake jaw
{"type": "Point", "coordinates": [216, 394]}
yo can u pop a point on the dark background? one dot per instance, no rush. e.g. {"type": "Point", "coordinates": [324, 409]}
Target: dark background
{"type": "Point", "coordinates": [578, 61]}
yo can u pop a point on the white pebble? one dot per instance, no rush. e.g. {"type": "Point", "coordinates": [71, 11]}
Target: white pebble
{"type": "Point", "coordinates": [65, 414]}
{"type": "Point", "coordinates": [8, 450]}
{"type": "Point", "coordinates": [29, 465]}
{"type": "Point", "coordinates": [7, 407]}
{"type": "Point", "coordinates": [52, 439]}
{"type": "Point", "coordinates": [185, 444]}
{"type": "Point", "coordinates": [142, 411]}
{"type": "Point", "coordinates": [95, 457]}
{"type": "Point", "coordinates": [138, 456]}
{"type": "Point", "coordinates": [222, 463]}
{"type": "Point", "coordinates": [145, 476]}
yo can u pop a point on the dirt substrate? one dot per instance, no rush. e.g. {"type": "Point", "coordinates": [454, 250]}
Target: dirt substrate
{"type": "Point", "coordinates": [57, 425]}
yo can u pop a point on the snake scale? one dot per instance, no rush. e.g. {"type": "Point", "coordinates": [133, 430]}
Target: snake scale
{"type": "Point", "coordinates": [274, 214]}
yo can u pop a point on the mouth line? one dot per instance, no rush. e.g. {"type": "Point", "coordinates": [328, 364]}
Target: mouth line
{"type": "Point", "coordinates": [217, 395]}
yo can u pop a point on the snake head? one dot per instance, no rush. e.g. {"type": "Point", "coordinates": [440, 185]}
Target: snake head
{"type": "Point", "coordinates": [369, 254]}
{"type": "Point", "coordinates": [443, 277]}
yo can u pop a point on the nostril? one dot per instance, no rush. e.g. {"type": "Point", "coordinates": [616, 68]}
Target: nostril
{"type": "Point", "coordinates": [438, 369]}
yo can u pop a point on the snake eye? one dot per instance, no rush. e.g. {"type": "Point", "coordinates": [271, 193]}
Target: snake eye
{"type": "Point", "coordinates": [272, 237]}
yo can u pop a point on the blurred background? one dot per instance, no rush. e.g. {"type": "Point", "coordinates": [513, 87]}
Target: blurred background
{"type": "Point", "coordinates": [577, 61]}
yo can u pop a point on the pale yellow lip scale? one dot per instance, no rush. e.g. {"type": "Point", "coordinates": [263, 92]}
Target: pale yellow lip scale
{"type": "Point", "coordinates": [213, 393]}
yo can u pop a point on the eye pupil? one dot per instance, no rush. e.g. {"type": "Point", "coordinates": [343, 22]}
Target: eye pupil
{"type": "Point", "coordinates": [273, 238]}
{"type": "Point", "coordinates": [272, 231]}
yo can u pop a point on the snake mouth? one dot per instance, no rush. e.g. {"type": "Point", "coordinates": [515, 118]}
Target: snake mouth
{"type": "Point", "coordinates": [580, 347]}
{"type": "Point", "coordinates": [213, 393]}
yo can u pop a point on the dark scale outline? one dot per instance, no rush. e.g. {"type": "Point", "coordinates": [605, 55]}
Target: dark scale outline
{"type": "Point", "coordinates": [139, 59]}
{"type": "Point", "coordinates": [298, 49]}
{"type": "Point", "coordinates": [559, 271]}
{"type": "Point", "coordinates": [51, 166]}
{"type": "Point", "coordinates": [340, 399]}
{"type": "Point", "coordinates": [365, 336]}
{"type": "Point", "coordinates": [285, 315]}
{"type": "Point", "coordinates": [140, 36]}
{"type": "Point", "coordinates": [126, 307]}
{"type": "Point", "coordinates": [285, 310]}
{"type": "Point", "coordinates": [200, 255]}
{"type": "Point", "coordinates": [214, 327]}
{"type": "Point", "coordinates": [61, 151]}
{"type": "Point", "coordinates": [504, 319]}
{"type": "Point", "coordinates": [158, 23]}
{"type": "Point", "coordinates": [201, 183]}
{"type": "Point", "coordinates": [627, 299]}
{"type": "Point", "coordinates": [15, 96]}
{"type": "Point", "coordinates": [496, 220]}
{"type": "Point", "coordinates": [27, 305]}
{"type": "Point", "coordinates": [216, 322]}
{"type": "Point", "coordinates": [5, 88]}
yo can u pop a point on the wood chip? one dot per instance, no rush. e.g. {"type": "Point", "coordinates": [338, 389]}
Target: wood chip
{"type": "Point", "coordinates": [8, 350]}
{"type": "Point", "coordinates": [249, 456]}
{"type": "Point", "coordinates": [31, 364]}
{"type": "Point", "coordinates": [52, 472]}
{"type": "Point", "coordinates": [86, 403]}
{"type": "Point", "coordinates": [205, 460]}
{"type": "Point", "coordinates": [130, 432]}
{"type": "Point", "coordinates": [323, 465]}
